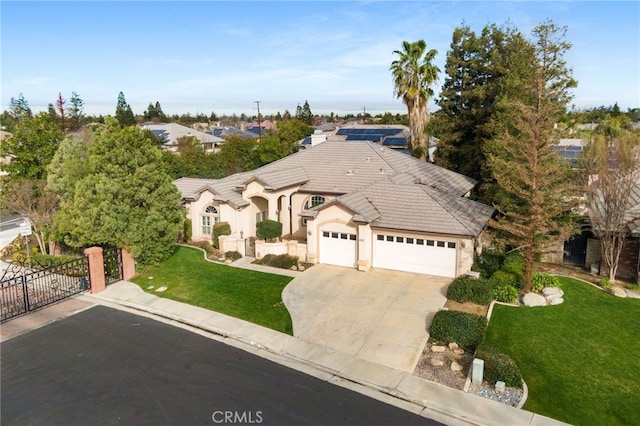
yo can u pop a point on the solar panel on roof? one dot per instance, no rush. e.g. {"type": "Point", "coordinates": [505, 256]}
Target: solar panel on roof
{"type": "Point", "coordinates": [574, 148]}
{"type": "Point", "coordinates": [395, 142]}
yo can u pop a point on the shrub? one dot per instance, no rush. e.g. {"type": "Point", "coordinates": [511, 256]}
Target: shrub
{"type": "Point", "coordinates": [505, 293]}
{"type": "Point", "coordinates": [488, 262]}
{"type": "Point", "coordinates": [468, 289]}
{"type": "Point", "coordinates": [605, 283]}
{"type": "Point", "coordinates": [465, 329]}
{"type": "Point", "coordinates": [233, 255]}
{"type": "Point", "coordinates": [499, 366]}
{"type": "Point", "coordinates": [501, 278]}
{"type": "Point", "coordinates": [48, 260]}
{"type": "Point", "coordinates": [268, 230]}
{"type": "Point", "coordinates": [514, 264]}
{"type": "Point", "coordinates": [283, 261]}
{"type": "Point", "coordinates": [187, 230]}
{"type": "Point", "coordinates": [220, 228]}
{"type": "Point", "coordinates": [541, 280]}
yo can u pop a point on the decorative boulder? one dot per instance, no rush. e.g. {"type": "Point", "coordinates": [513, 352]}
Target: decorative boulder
{"type": "Point", "coordinates": [453, 346]}
{"type": "Point", "coordinates": [554, 299]}
{"type": "Point", "coordinates": [437, 348]}
{"type": "Point", "coordinates": [436, 362]}
{"type": "Point", "coordinates": [533, 299]}
{"type": "Point", "coordinates": [552, 291]}
{"type": "Point", "coordinates": [455, 366]}
{"type": "Point", "coordinates": [617, 291]}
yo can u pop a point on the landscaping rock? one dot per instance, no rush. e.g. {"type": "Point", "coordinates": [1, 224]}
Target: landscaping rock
{"type": "Point", "coordinates": [228, 261]}
{"type": "Point", "coordinates": [436, 362]}
{"type": "Point", "coordinates": [438, 348]}
{"type": "Point", "coordinates": [301, 268]}
{"type": "Point", "coordinates": [552, 291]}
{"type": "Point", "coordinates": [458, 351]}
{"type": "Point", "coordinates": [455, 366]}
{"type": "Point", "coordinates": [617, 291]}
{"type": "Point", "coordinates": [533, 299]}
{"type": "Point", "coordinates": [294, 268]}
{"type": "Point", "coordinates": [453, 346]}
{"type": "Point", "coordinates": [554, 300]}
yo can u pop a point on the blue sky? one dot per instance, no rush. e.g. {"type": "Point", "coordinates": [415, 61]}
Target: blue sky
{"type": "Point", "coordinates": [219, 56]}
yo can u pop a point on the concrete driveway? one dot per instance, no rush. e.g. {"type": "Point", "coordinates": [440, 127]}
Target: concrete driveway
{"type": "Point", "coordinates": [380, 316]}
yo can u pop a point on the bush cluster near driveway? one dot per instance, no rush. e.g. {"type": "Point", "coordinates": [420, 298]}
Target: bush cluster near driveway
{"type": "Point", "coordinates": [579, 359]}
{"type": "Point", "coordinates": [465, 329]}
{"type": "Point", "coordinates": [468, 289]}
{"type": "Point", "coordinates": [248, 295]}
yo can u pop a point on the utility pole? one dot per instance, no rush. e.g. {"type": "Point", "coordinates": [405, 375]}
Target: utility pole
{"type": "Point", "coordinates": [259, 125]}
{"type": "Point", "coordinates": [364, 113]}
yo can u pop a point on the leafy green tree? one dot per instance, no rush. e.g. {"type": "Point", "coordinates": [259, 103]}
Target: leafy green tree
{"type": "Point", "coordinates": [69, 165]}
{"type": "Point", "coordinates": [480, 70]}
{"type": "Point", "coordinates": [19, 108]}
{"type": "Point", "coordinates": [124, 114]}
{"type": "Point", "coordinates": [538, 193]}
{"type": "Point", "coordinates": [413, 74]}
{"type": "Point", "coordinates": [126, 200]}
{"type": "Point", "coordinates": [30, 148]}
{"type": "Point", "coordinates": [238, 154]}
{"type": "Point", "coordinates": [76, 111]}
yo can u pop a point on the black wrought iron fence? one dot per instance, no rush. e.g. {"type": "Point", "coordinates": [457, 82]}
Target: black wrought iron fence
{"type": "Point", "coordinates": [29, 285]}
{"type": "Point", "coordinates": [112, 265]}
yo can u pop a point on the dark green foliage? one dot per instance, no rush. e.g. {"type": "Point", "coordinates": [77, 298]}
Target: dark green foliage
{"type": "Point", "coordinates": [187, 230]}
{"type": "Point", "coordinates": [499, 366]}
{"type": "Point", "coordinates": [505, 293]}
{"type": "Point", "coordinates": [220, 228]}
{"type": "Point", "coordinates": [268, 230]}
{"type": "Point", "coordinates": [502, 278]}
{"type": "Point", "coordinates": [541, 280]}
{"type": "Point", "coordinates": [283, 261]}
{"type": "Point", "coordinates": [468, 289]}
{"type": "Point", "coordinates": [124, 114]}
{"type": "Point", "coordinates": [233, 255]}
{"type": "Point", "coordinates": [488, 262]}
{"type": "Point", "coordinates": [467, 330]}
{"type": "Point", "coordinates": [605, 283]}
{"type": "Point", "coordinates": [514, 264]}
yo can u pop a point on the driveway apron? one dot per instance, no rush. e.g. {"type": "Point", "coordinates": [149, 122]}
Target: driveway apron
{"type": "Point", "coordinates": [380, 315]}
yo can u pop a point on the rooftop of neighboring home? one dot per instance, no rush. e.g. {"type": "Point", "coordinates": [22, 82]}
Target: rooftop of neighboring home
{"type": "Point", "coordinates": [171, 132]}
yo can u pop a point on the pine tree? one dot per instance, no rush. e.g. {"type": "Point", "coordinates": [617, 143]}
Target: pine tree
{"type": "Point", "coordinates": [76, 111]}
{"type": "Point", "coordinates": [124, 114]}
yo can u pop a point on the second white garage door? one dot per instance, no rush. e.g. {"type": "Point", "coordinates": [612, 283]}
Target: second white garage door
{"type": "Point", "coordinates": [338, 248]}
{"type": "Point", "coordinates": [420, 255]}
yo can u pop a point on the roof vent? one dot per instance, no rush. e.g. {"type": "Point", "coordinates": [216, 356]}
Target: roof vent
{"type": "Point", "coordinates": [381, 172]}
{"type": "Point", "coordinates": [368, 159]}
{"type": "Point", "coordinates": [349, 172]}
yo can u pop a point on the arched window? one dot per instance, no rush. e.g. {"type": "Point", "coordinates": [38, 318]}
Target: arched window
{"type": "Point", "coordinates": [209, 216]}
{"type": "Point", "coordinates": [315, 200]}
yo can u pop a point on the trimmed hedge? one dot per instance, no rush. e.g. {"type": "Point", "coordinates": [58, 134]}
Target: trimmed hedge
{"type": "Point", "coordinates": [268, 230]}
{"type": "Point", "coordinates": [283, 261]}
{"type": "Point", "coordinates": [187, 230]}
{"type": "Point", "coordinates": [220, 228]}
{"type": "Point", "coordinates": [468, 289]}
{"type": "Point", "coordinates": [499, 366]}
{"type": "Point", "coordinates": [233, 255]}
{"type": "Point", "coordinates": [467, 330]}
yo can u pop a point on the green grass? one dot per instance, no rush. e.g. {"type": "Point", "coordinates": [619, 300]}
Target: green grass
{"type": "Point", "coordinates": [248, 295]}
{"type": "Point", "coordinates": [579, 359]}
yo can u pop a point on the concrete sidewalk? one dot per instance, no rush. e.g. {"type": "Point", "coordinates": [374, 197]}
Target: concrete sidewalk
{"type": "Point", "coordinates": [392, 386]}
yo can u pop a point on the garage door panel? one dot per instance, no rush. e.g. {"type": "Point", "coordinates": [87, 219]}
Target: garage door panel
{"type": "Point", "coordinates": [338, 248]}
{"type": "Point", "coordinates": [412, 254]}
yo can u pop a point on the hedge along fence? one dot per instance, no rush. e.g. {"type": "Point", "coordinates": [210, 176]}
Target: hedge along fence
{"type": "Point", "coordinates": [220, 228]}
{"type": "Point", "coordinates": [268, 230]}
{"type": "Point", "coordinates": [465, 329]}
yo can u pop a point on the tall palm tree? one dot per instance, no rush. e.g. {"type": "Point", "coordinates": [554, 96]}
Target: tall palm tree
{"type": "Point", "coordinates": [413, 74]}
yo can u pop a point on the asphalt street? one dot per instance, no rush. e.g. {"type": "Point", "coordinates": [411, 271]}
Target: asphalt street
{"type": "Point", "coordinates": [108, 367]}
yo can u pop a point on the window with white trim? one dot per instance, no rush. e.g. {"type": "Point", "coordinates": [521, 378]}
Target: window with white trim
{"type": "Point", "coordinates": [311, 202]}
{"type": "Point", "coordinates": [209, 216]}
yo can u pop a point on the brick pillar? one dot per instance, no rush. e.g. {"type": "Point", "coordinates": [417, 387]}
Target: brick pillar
{"type": "Point", "coordinates": [96, 269]}
{"type": "Point", "coordinates": [128, 266]}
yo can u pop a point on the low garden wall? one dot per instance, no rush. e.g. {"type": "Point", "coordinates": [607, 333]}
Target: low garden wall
{"type": "Point", "coordinates": [263, 248]}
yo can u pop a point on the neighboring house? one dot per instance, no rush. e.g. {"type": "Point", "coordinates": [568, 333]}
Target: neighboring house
{"type": "Point", "coordinates": [171, 132]}
{"type": "Point", "coordinates": [224, 131]}
{"type": "Point", "coordinates": [570, 150]}
{"type": "Point", "coordinates": [355, 204]}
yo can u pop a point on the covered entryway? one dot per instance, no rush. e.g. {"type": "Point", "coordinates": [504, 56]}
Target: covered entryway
{"type": "Point", "coordinates": [419, 255]}
{"type": "Point", "coordinates": [338, 246]}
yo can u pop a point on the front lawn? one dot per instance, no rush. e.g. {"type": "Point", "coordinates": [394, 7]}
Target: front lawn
{"type": "Point", "coordinates": [579, 359]}
{"type": "Point", "coordinates": [248, 295]}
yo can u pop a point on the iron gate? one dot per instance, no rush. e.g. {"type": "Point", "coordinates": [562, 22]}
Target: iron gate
{"type": "Point", "coordinates": [27, 286]}
{"type": "Point", "coordinates": [112, 265]}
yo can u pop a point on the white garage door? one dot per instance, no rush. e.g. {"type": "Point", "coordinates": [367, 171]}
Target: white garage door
{"type": "Point", "coordinates": [338, 248]}
{"type": "Point", "coordinates": [410, 254]}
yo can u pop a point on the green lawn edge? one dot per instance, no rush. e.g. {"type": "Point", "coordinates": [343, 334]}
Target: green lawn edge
{"type": "Point", "coordinates": [249, 295]}
{"type": "Point", "coordinates": [579, 359]}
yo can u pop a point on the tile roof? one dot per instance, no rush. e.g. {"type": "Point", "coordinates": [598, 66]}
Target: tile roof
{"type": "Point", "coordinates": [380, 185]}
{"type": "Point", "coordinates": [174, 131]}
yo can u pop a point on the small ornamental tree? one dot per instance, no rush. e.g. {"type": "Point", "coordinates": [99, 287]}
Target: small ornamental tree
{"type": "Point", "coordinates": [268, 230]}
{"type": "Point", "coordinates": [220, 228]}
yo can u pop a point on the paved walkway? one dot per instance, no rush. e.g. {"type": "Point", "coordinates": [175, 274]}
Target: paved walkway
{"type": "Point", "coordinates": [379, 316]}
{"type": "Point", "coordinates": [393, 386]}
